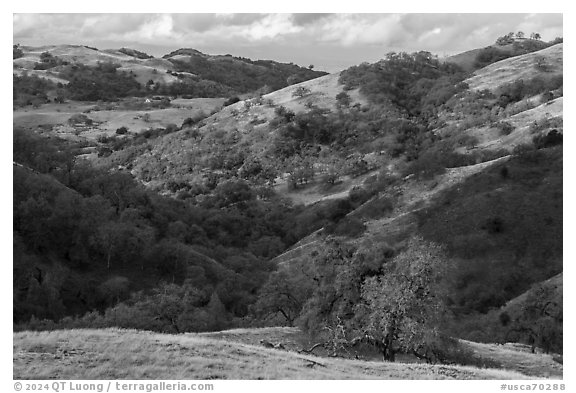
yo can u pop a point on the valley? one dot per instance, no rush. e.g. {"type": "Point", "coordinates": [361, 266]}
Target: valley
{"type": "Point", "coordinates": [172, 214]}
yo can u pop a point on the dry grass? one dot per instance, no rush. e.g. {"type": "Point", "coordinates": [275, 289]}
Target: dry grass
{"type": "Point", "coordinates": [45, 74]}
{"type": "Point", "coordinates": [317, 190]}
{"type": "Point", "coordinates": [513, 358]}
{"type": "Point", "coordinates": [514, 68]}
{"type": "Point", "coordinates": [108, 121]}
{"type": "Point", "coordinates": [144, 69]}
{"type": "Point", "coordinates": [323, 92]}
{"type": "Point", "coordinates": [490, 137]}
{"type": "Point", "coordinates": [128, 354]}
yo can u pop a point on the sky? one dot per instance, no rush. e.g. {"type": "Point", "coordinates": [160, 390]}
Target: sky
{"type": "Point", "coordinates": [330, 42]}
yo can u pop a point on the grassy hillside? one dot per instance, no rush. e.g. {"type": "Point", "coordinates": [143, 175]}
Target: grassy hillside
{"type": "Point", "coordinates": [128, 354]}
{"type": "Point", "coordinates": [477, 58]}
{"type": "Point", "coordinates": [400, 205]}
{"type": "Point", "coordinates": [107, 118]}
{"type": "Point", "coordinates": [518, 67]}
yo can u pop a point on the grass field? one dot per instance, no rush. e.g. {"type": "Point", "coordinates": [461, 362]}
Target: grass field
{"type": "Point", "coordinates": [512, 357]}
{"type": "Point", "coordinates": [514, 68]}
{"type": "Point", "coordinates": [108, 121]}
{"type": "Point", "coordinates": [129, 354]}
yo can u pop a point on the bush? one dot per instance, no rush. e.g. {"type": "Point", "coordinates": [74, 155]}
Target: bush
{"type": "Point", "coordinates": [358, 195]}
{"type": "Point", "coordinates": [171, 128]}
{"type": "Point", "coordinates": [348, 226]}
{"type": "Point", "coordinates": [103, 82]}
{"type": "Point", "coordinates": [191, 121]}
{"type": "Point", "coordinates": [543, 124]}
{"type": "Point", "coordinates": [301, 91]}
{"type": "Point", "coordinates": [188, 122]}
{"type": "Point", "coordinates": [17, 52]}
{"type": "Point", "coordinates": [231, 100]}
{"type": "Point", "coordinates": [377, 208]}
{"type": "Point", "coordinates": [122, 130]}
{"type": "Point", "coordinates": [523, 149]}
{"type": "Point", "coordinates": [455, 353]}
{"type": "Point", "coordinates": [520, 89]}
{"type": "Point", "coordinates": [286, 115]}
{"type": "Point", "coordinates": [505, 127]}
{"type": "Point", "coordinates": [137, 54]}
{"type": "Point", "coordinates": [79, 118]}
{"type": "Point", "coordinates": [550, 139]}
{"type": "Point", "coordinates": [343, 99]}
{"type": "Point", "coordinates": [427, 165]}
{"type": "Point", "coordinates": [541, 64]}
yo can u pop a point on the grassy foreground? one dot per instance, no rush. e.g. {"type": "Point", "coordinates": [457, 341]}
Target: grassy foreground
{"type": "Point", "coordinates": [130, 354]}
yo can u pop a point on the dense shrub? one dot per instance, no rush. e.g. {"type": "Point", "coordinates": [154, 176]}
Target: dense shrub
{"type": "Point", "coordinates": [238, 75]}
{"type": "Point", "coordinates": [30, 90]}
{"type": "Point", "coordinates": [428, 164]}
{"type": "Point", "coordinates": [231, 100]}
{"type": "Point", "coordinates": [377, 208]}
{"type": "Point", "coordinates": [79, 118]}
{"type": "Point", "coordinates": [103, 82]}
{"type": "Point", "coordinates": [546, 123]}
{"type": "Point", "coordinates": [520, 89]}
{"type": "Point", "coordinates": [504, 228]}
{"type": "Point", "coordinates": [504, 127]}
{"type": "Point", "coordinates": [552, 138]}
{"type": "Point", "coordinates": [17, 52]}
{"type": "Point", "coordinates": [47, 61]}
{"type": "Point", "coordinates": [343, 99]}
{"type": "Point", "coordinates": [135, 53]}
{"type": "Point", "coordinates": [490, 55]}
{"type": "Point", "coordinates": [301, 91]}
{"type": "Point", "coordinates": [106, 225]}
{"type": "Point", "coordinates": [349, 227]}
{"type": "Point", "coordinates": [407, 80]}
{"type": "Point", "coordinates": [493, 54]}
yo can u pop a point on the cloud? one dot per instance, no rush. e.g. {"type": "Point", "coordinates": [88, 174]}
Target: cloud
{"type": "Point", "coordinates": [271, 26]}
{"type": "Point", "coordinates": [157, 27]}
{"type": "Point", "coordinates": [353, 37]}
{"type": "Point", "coordinates": [354, 29]}
{"type": "Point", "coordinates": [111, 24]}
{"type": "Point", "coordinates": [307, 19]}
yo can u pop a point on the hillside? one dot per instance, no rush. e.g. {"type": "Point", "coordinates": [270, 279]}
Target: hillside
{"type": "Point", "coordinates": [136, 115]}
{"type": "Point", "coordinates": [239, 73]}
{"type": "Point", "coordinates": [476, 58]}
{"type": "Point", "coordinates": [466, 206]}
{"type": "Point", "coordinates": [518, 67]}
{"type": "Point", "coordinates": [196, 74]}
{"type": "Point", "coordinates": [125, 354]}
{"type": "Point", "coordinates": [554, 284]}
{"type": "Point", "coordinates": [409, 209]}
{"type": "Point", "coordinates": [245, 126]}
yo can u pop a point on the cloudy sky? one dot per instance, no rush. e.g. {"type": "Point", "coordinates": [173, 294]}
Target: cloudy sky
{"type": "Point", "coordinates": [329, 41]}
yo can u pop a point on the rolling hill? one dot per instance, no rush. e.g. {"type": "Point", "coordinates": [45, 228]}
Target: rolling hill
{"type": "Point", "coordinates": [233, 74]}
{"type": "Point", "coordinates": [518, 67]}
{"type": "Point", "coordinates": [278, 201]}
{"type": "Point", "coordinates": [474, 59]}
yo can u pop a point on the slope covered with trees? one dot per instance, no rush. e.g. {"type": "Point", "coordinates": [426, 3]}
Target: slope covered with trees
{"type": "Point", "coordinates": [437, 205]}
{"type": "Point", "coordinates": [240, 74]}
{"type": "Point", "coordinates": [86, 239]}
{"type": "Point", "coordinates": [112, 75]}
